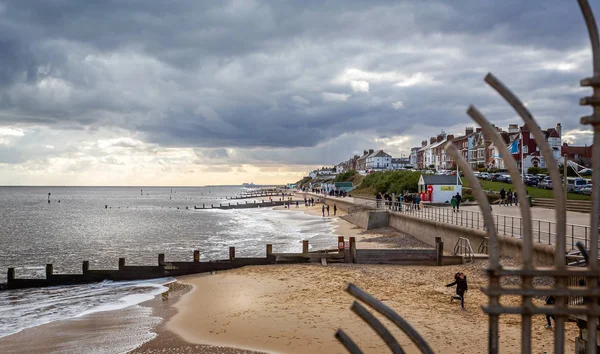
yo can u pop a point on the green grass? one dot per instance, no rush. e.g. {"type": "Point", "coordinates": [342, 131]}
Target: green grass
{"type": "Point", "coordinates": [533, 191]}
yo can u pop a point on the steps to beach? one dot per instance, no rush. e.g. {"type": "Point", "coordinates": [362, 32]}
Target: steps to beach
{"type": "Point", "coordinates": [580, 206]}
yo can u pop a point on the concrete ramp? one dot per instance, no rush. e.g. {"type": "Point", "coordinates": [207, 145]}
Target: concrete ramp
{"type": "Point", "coordinates": [396, 256]}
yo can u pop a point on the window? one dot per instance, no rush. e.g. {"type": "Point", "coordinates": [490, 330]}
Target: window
{"type": "Point", "coordinates": [525, 149]}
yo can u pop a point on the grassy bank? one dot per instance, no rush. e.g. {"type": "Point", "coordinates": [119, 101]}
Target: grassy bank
{"type": "Point", "coordinates": [533, 191]}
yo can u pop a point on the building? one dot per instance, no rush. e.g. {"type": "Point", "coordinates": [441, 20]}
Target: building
{"type": "Point", "coordinates": [379, 160]}
{"type": "Point", "coordinates": [361, 162]}
{"type": "Point", "coordinates": [400, 163]}
{"type": "Point", "coordinates": [531, 152]}
{"type": "Point", "coordinates": [440, 188]}
{"type": "Point", "coordinates": [413, 159]}
{"type": "Point", "coordinates": [581, 155]}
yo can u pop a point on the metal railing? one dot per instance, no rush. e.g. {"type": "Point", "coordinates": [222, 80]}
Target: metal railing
{"type": "Point", "coordinates": [463, 248]}
{"type": "Point", "coordinates": [543, 231]}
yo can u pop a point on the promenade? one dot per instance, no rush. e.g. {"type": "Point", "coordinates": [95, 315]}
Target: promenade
{"type": "Point", "coordinates": [507, 219]}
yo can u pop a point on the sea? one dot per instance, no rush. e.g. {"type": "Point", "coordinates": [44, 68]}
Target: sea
{"type": "Point", "coordinates": [102, 224]}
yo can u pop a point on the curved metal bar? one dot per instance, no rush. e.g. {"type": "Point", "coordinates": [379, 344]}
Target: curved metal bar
{"type": "Point", "coordinates": [488, 219]}
{"type": "Point", "coordinates": [511, 165]}
{"type": "Point", "coordinates": [348, 343]}
{"type": "Point", "coordinates": [383, 332]}
{"type": "Point", "coordinates": [557, 192]}
{"type": "Point", "coordinates": [590, 22]}
{"type": "Point", "coordinates": [414, 336]}
{"type": "Point", "coordinates": [594, 120]}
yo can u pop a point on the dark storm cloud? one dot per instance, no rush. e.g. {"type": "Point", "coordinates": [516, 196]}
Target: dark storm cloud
{"type": "Point", "coordinates": [276, 74]}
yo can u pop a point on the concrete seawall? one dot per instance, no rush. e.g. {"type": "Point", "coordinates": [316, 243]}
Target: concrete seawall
{"type": "Point", "coordinates": [427, 230]}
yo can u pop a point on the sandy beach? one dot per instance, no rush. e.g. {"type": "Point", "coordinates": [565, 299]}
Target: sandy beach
{"type": "Point", "coordinates": [298, 308]}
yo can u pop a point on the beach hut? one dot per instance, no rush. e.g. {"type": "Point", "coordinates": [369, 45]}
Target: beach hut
{"type": "Point", "coordinates": [439, 188]}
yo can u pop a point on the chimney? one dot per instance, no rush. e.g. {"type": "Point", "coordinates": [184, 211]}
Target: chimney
{"type": "Point", "coordinates": [424, 143]}
{"type": "Point", "coordinates": [468, 130]}
{"type": "Point", "coordinates": [432, 140]}
{"type": "Point", "coordinates": [478, 130]}
{"type": "Point", "coordinates": [559, 129]}
{"type": "Point", "coordinates": [365, 152]}
{"type": "Point", "coordinates": [513, 128]}
{"type": "Point", "coordinates": [450, 137]}
{"type": "Point", "coordinates": [439, 138]}
{"type": "Point", "coordinates": [371, 151]}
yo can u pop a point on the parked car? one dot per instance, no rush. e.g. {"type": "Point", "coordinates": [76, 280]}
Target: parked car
{"type": "Point", "coordinates": [484, 175]}
{"type": "Point", "coordinates": [575, 184]}
{"type": "Point", "coordinates": [546, 183]}
{"type": "Point", "coordinates": [586, 172]}
{"type": "Point", "coordinates": [496, 177]}
{"type": "Point", "coordinates": [505, 178]}
{"type": "Point", "coordinates": [531, 181]}
{"type": "Point", "coordinates": [587, 189]}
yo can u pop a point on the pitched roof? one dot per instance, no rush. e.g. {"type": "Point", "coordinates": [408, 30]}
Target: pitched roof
{"type": "Point", "coordinates": [380, 153]}
{"type": "Point", "coordinates": [439, 180]}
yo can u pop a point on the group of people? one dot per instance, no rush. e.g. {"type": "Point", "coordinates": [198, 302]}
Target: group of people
{"type": "Point", "coordinates": [406, 201]}
{"type": "Point", "coordinates": [309, 201]}
{"type": "Point", "coordinates": [337, 193]}
{"type": "Point", "coordinates": [326, 207]}
{"type": "Point", "coordinates": [507, 198]}
{"type": "Point", "coordinates": [455, 202]}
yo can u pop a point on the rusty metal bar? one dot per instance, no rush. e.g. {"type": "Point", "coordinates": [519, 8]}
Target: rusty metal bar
{"type": "Point", "coordinates": [493, 247]}
{"type": "Point", "coordinates": [414, 336]}
{"type": "Point", "coordinates": [594, 121]}
{"type": "Point", "coordinates": [347, 342]}
{"type": "Point", "coordinates": [383, 332]}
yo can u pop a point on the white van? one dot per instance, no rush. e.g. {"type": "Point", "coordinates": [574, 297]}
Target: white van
{"type": "Point", "coordinates": [575, 184]}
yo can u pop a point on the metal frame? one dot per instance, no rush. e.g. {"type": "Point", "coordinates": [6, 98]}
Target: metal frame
{"type": "Point", "coordinates": [463, 248]}
{"type": "Point", "coordinates": [573, 300]}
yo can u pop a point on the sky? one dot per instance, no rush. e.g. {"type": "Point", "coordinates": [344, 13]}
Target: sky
{"type": "Point", "coordinates": [137, 92]}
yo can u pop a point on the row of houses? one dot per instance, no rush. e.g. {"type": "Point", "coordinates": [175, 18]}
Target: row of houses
{"type": "Point", "coordinates": [373, 160]}
{"type": "Point", "coordinates": [481, 152]}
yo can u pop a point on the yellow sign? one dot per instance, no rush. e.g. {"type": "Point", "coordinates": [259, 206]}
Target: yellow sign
{"type": "Point", "coordinates": [447, 188]}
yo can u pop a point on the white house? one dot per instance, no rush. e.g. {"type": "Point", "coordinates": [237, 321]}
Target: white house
{"type": "Point", "coordinates": [399, 163]}
{"type": "Point", "coordinates": [379, 160]}
{"type": "Point", "coordinates": [442, 187]}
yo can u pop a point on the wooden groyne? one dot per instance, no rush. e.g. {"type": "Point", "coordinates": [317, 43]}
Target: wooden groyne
{"type": "Point", "coordinates": [246, 205]}
{"type": "Point", "coordinates": [258, 195]}
{"type": "Point", "coordinates": [345, 253]}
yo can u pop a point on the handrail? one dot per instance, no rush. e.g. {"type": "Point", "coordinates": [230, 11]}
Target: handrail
{"type": "Point", "coordinates": [464, 243]}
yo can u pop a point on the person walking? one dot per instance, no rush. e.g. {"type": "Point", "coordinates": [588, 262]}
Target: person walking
{"type": "Point", "coordinates": [458, 200]}
{"type": "Point", "coordinates": [516, 198]}
{"type": "Point", "coordinates": [334, 209]}
{"type": "Point", "coordinates": [502, 196]}
{"type": "Point", "coordinates": [460, 280]}
{"type": "Point", "coordinates": [453, 203]}
{"type": "Point", "coordinates": [550, 301]}
{"type": "Point", "coordinates": [509, 196]}
{"type": "Point", "coordinates": [418, 202]}
{"type": "Point", "coordinates": [323, 210]}
{"type": "Point", "coordinates": [296, 204]}
{"type": "Point", "coordinates": [327, 210]}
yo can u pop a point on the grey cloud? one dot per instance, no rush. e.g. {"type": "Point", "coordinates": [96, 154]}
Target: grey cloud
{"type": "Point", "coordinates": [251, 74]}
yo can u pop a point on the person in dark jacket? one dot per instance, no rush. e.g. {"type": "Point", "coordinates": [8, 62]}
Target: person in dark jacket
{"type": "Point", "coordinates": [460, 280]}
{"type": "Point", "coordinates": [550, 301]}
{"type": "Point", "coordinates": [458, 200]}
{"type": "Point", "coordinates": [502, 196]}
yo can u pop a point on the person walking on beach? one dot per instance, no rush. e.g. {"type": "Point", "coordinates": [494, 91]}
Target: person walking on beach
{"type": "Point", "coordinates": [323, 210]}
{"type": "Point", "coordinates": [502, 196]}
{"type": "Point", "coordinates": [550, 301]}
{"type": "Point", "coordinates": [334, 209]}
{"type": "Point", "coordinates": [460, 280]}
{"type": "Point", "coordinates": [296, 204]}
{"type": "Point", "coordinates": [327, 210]}
{"type": "Point", "coordinates": [458, 200]}
{"type": "Point", "coordinates": [453, 203]}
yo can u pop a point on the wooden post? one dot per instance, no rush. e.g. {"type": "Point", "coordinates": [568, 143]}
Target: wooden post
{"type": "Point", "coordinates": [305, 246]}
{"type": "Point", "coordinates": [269, 250]}
{"type": "Point", "coordinates": [196, 256]}
{"type": "Point", "coordinates": [439, 248]}
{"type": "Point", "coordinates": [352, 249]}
{"type": "Point", "coordinates": [85, 266]}
{"type": "Point", "coordinates": [340, 243]}
{"type": "Point", "coordinates": [11, 275]}
{"type": "Point", "coordinates": [231, 254]}
{"type": "Point", "coordinates": [121, 263]}
{"type": "Point", "coordinates": [49, 271]}
{"type": "Point", "coordinates": [161, 259]}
